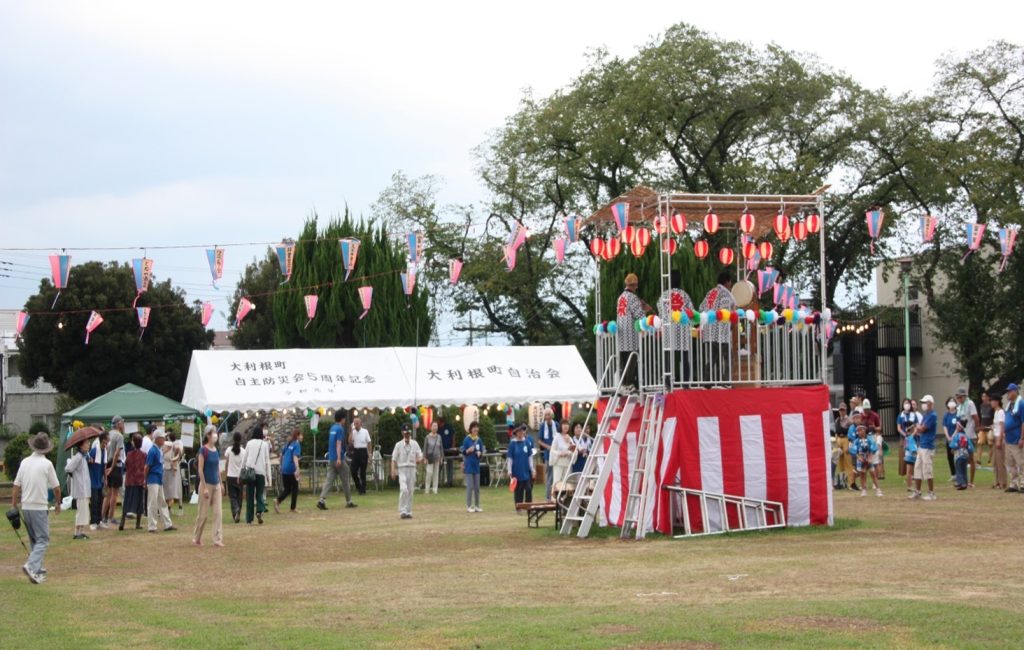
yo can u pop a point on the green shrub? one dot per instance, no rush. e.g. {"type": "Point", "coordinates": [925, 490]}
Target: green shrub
{"type": "Point", "coordinates": [8, 432]}
{"type": "Point", "coordinates": [37, 427]}
{"type": "Point", "coordinates": [16, 450]}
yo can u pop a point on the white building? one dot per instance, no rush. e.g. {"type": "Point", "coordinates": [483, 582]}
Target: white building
{"type": "Point", "coordinates": [21, 405]}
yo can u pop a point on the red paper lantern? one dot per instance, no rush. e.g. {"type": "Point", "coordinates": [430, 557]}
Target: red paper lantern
{"type": "Point", "coordinates": [669, 245]}
{"type": "Point", "coordinates": [725, 256]}
{"type": "Point", "coordinates": [642, 236]}
{"type": "Point", "coordinates": [749, 250]}
{"type": "Point", "coordinates": [765, 248]}
{"type": "Point", "coordinates": [627, 234]}
{"type": "Point", "coordinates": [747, 223]}
{"type": "Point", "coordinates": [637, 248]}
{"type": "Point", "coordinates": [711, 223]}
{"type": "Point", "coordinates": [780, 224]}
{"type": "Point", "coordinates": [813, 223]}
{"type": "Point", "coordinates": [700, 249]}
{"type": "Point", "coordinates": [660, 225]}
{"type": "Point", "coordinates": [678, 223]}
{"type": "Point", "coordinates": [785, 234]}
{"type": "Point", "coordinates": [800, 231]}
{"type": "Point", "coordinates": [612, 248]}
{"type": "Point", "coordinates": [597, 247]}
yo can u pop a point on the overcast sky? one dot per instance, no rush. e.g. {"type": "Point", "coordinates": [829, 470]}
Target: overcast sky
{"type": "Point", "coordinates": [133, 124]}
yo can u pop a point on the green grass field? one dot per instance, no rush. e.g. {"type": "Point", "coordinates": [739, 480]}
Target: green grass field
{"type": "Point", "coordinates": [891, 573]}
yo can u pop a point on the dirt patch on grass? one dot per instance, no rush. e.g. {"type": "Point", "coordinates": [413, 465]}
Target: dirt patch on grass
{"type": "Point", "coordinates": [820, 623]}
{"type": "Point", "coordinates": [676, 645]}
{"type": "Point", "coordinates": [616, 629]}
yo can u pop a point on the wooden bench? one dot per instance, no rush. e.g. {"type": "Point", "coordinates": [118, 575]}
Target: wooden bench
{"type": "Point", "coordinates": [536, 510]}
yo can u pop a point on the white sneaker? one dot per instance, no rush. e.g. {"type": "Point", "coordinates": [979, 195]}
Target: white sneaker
{"type": "Point", "coordinates": [863, 493]}
{"type": "Point", "coordinates": [104, 525]}
{"type": "Point", "coordinates": [479, 509]}
{"type": "Point", "coordinates": [878, 492]}
{"type": "Point", "coordinates": [470, 510]}
{"type": "Point", "coordinates": [914, 495]}
{"type": "Point", "coordinates": [929, 497]}
{"type": "Point", "coordinates": [92, 526]}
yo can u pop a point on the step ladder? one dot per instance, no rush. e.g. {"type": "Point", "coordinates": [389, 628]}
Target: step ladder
{"type": "Point", "coordinates": [642, 475]}
{"type": "Point", "coordinates": [751, 514]}
{"type": "Point", "coordinates": [590, 487]}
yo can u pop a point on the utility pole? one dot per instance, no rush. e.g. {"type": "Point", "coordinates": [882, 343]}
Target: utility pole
{"type": "Point", "coordinates": [905, 266]}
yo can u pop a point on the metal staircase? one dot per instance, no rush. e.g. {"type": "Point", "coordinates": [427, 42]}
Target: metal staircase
{"type": "Point", "coordinates": [751, 514]}
{"type": "Point", "coordinates": [642, 482]}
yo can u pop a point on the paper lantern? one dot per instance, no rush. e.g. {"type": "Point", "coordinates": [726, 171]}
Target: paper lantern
{"type": "Point", "coordinates": [612, 248]}
{"type": "Point", "coordinates": [95, 320]}
{"type": "Point", "coordinates": [874, 219]}
{"type": "Point", "coordinates": [620, 213]}
{"type": "Point", "coordinates": [700, 249]}
{"type": "Point", "coordinates": [349, 254]}
{"type": "Point", "coordinates": [597, 247]}
{"type": "Point", "coordinates": [780, 224]}
{"type": "Point", "coordinates": [765, 248]}
{"type": "Point", "coordinates": [454, 270]}
{"type": "Point", "coordinates": [470, 414]}
{"type": "Point", "coordinates": [559, 249]}
{"type": "Point", "coordinates": [637, 249]}
{"type": "Point", "coordinates": [215, 257]}
{"type": "Point", "coordinates": [572, 231]}
{"type": "Point", "coordinates": [725, 256]}
{"type": "Point", "coordinates": [747, 223]}
{"type": "Point", "coordinates": [711, 223]}
{"type": "Point", "coordinates": [535, 415]}
{"type": "Point", "coordinates": [142, 269]}
{"type": "Point", "coordinates": [786, 233]}
{"type": "Point", "coordinates": [311, 302]}
{"type": "Point", "coordinates": [207, 313]}
{"type": "Point", "coordinates": [365, 297]}
{"type": "Point", "coordinates": [813, 223]}
{"type": "Point", "coordinates": [799, 231]}
{"type": "Point", "coordinates": [749, 250]}
{"type": "Point", "coordinates": [669, 245]}
{"type": "Point", "coordinates": [627, 234]}
{"type": "Point", "coordinates": [286, 258]}
{"type": "Point", "coordinates": [661, 225]}
{"type": "Point", "coordinates": [678, 223]}
{"type": "Point", "coordinates": [1007, 239]}
{"type": "Point", "coordinates": [244, 307]}
{"type": "Point", "coordinates": [642, 236]}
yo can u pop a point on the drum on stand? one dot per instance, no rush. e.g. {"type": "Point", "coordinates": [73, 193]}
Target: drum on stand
{"type": "Point", "coordinates": [743, 293]}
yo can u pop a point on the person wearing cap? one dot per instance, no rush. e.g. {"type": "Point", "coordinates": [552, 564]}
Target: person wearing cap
{"type": "Point", "coordinates": [404, 459]}
{"type": "Point", "coordinates": [923, 466]}
{"type": "Point", "coordinates": [628, 310]}
{"type": "Point", "coordinates": [520, 465]}
{"type": "Point", "coordinates": [157, 504]}
{"type": "Point", "coordinates": [969, 422]}
{"type": "Point", "coordinates": [718, 336]}
{"type": "Point", "coordinates": [35, 477]}
{"type": "Point", "coordinates": [1014, 443]}
{"type": "Point", "coordinates": [114, 474]}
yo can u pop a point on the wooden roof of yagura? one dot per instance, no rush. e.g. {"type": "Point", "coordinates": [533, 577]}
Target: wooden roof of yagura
{"type": "Point", "coordinates": [645, 204]}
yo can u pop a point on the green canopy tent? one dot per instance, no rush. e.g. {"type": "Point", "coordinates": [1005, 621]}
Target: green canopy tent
{"type": "Point", "coordinates": [133, 403]}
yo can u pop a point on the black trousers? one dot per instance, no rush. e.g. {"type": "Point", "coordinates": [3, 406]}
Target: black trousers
{"type": "Point", "coordinates": [96, 506]}
{"type": "Point", "coordinates": [524, 491]}
{"type": "Point", "coordinates": [949, 458]}
{"type": "Point", "coordinates": [235, 496]}
{"type": "Point", "coordinates": [291, 487]}
{"type": "Point", "coordinates": [360, 458]}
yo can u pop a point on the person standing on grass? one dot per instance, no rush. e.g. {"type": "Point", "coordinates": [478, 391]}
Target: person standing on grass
{"type": "Point", "coordinates": [906, 425]}
{"type": "Point", "coordinates": [520, 465]}
{"type": "Point", "coordinates": [80, 486]}
{"type": "Point", "coordinates": [210, 492]}
{"type": "Point", "coordinates": [235, 456]}
{"type": "Point", "coordinates": [134, 483]}
{"type": "Point", "coordinates": [866, 451]}
{"type": "Point", "coordinates": [290, 470]}
{"type": "Point", "coordinates": [949, 427]}
{"type": "Point", "coordinates": [337, 464]}
{"type": "Point", "coordinates": [36, 476]}
{"type": "Point", "coordinates": [156, 501]}
{"type": "Point", "coordinates": [174, 451]}
{"type": "Point", "coordinates": [114, 475]}
{"type": "Point", "coordinates": [545, 438]}
{"type": "Point", "coordinates": [997, 445]}
{"type": "Point", "coordinates": [404, 459]}
{"type": "Point", "coordinates": [582, 442]}
{"type": "Point", "coordinates": [962, 447]}
{"type": "Point", "coordinates": [362, 448]}
{"type": "Point", "coordinates": [433, 453]}
{"type": "Point", "coordinates": [561, 457]}
{"type": "Point", "coordinates": [968, 422]}
{"type": "Point", "coordinates": [97, 470]}
{"type": "Point", "coordinates": [851, 435]}
{"type": "Point", "coordinates": [257, 456]}
{"type": "Point", "coordinates": [924, 466]}
{"type": "Point", "coordinates": [910, 458]}
{"type": "Point", "coordinates": [472, 451]}
{"type": "Point", "coordinates": [1012, 440]}
{"type": "Point", "coordinates": [986, 412]}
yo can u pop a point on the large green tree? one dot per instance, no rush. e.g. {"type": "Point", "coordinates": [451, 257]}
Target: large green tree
{"type": "Point", "coordinates": [392, 319]}
{"type": "Point", "coordinates": [53, 345]}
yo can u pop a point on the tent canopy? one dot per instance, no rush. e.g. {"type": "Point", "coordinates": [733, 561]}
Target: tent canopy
{"type": "Point", "coordinates": [132, 403]}
{"type": "Point", "coordinates": [227, 380]}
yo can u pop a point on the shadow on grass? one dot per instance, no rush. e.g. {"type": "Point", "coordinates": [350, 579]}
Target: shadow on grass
{"type": "Point", "coordinates": [839, 525]}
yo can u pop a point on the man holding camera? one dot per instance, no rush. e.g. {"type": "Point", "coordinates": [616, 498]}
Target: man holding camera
{"type": "Point", "coordinates": [35, 477]}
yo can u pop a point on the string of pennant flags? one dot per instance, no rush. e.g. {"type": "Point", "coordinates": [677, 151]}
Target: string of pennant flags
{"type": "Point", "coordinates": [635, 238]}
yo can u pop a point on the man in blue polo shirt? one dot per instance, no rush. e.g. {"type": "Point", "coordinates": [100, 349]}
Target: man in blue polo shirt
{"type": "Point", "coordinates": [155, 484]}
{"type": "Point", "coordinates": [337, 445]}
{"type": "Point", "coordinates": [520, 464]}
{"type": "Point", "coordinates": [1013, 441]}
{"type": "Point", "coordinates": [923, 467]}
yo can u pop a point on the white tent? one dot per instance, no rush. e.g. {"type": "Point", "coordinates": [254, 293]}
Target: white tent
{"type": "Point", "coordinates": [227, 380]}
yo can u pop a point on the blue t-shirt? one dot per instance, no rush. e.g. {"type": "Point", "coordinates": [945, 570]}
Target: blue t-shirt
{"type": "Point", "coordinates": [910, 452]}
{"type": "Point", "coordinates": [96, 467]}
{"type": "Point", "coordinates": [949, 423]}
{"type": "Point", "coordinates": [211, 466]}
{"type": "Point", "coordinates": [289, 457]}
{"type": "Point", "coordinates": [961, 441]}
{"type": "Point", "coordinates": [546, 434]}
{"type": "Point", "coordinates": [1014, 419]}
{"type": "Point", "coordinates": [864, 446]}
{"type": "Point", "coordinates": [332, 443]}
{"type": "Point", "coordinates": [472, 460]}
{"type": "Point", "coordinates": [447, 433]}
{"type": "Point", "coordinates": [930, 422]}
{"type": "Point", "coordinates": [154, 466]}
{"type": "Point", "coordinates": [519, 452]}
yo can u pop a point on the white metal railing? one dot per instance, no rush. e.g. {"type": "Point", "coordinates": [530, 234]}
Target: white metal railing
{"type": "Point", "coordinates": [749, 514]}
{"type": "Point", "coordinates": [751, 354]}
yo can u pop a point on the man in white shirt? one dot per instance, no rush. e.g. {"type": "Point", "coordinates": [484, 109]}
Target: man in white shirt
{"type": "Point", "coordinates": [35, 476]}
{"type": "Point", "coordinates": [147, 438]}
{"type": "Point", "coordinates": [362, 447]}
{"type": "Point", "coordinates": [404, 458]}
